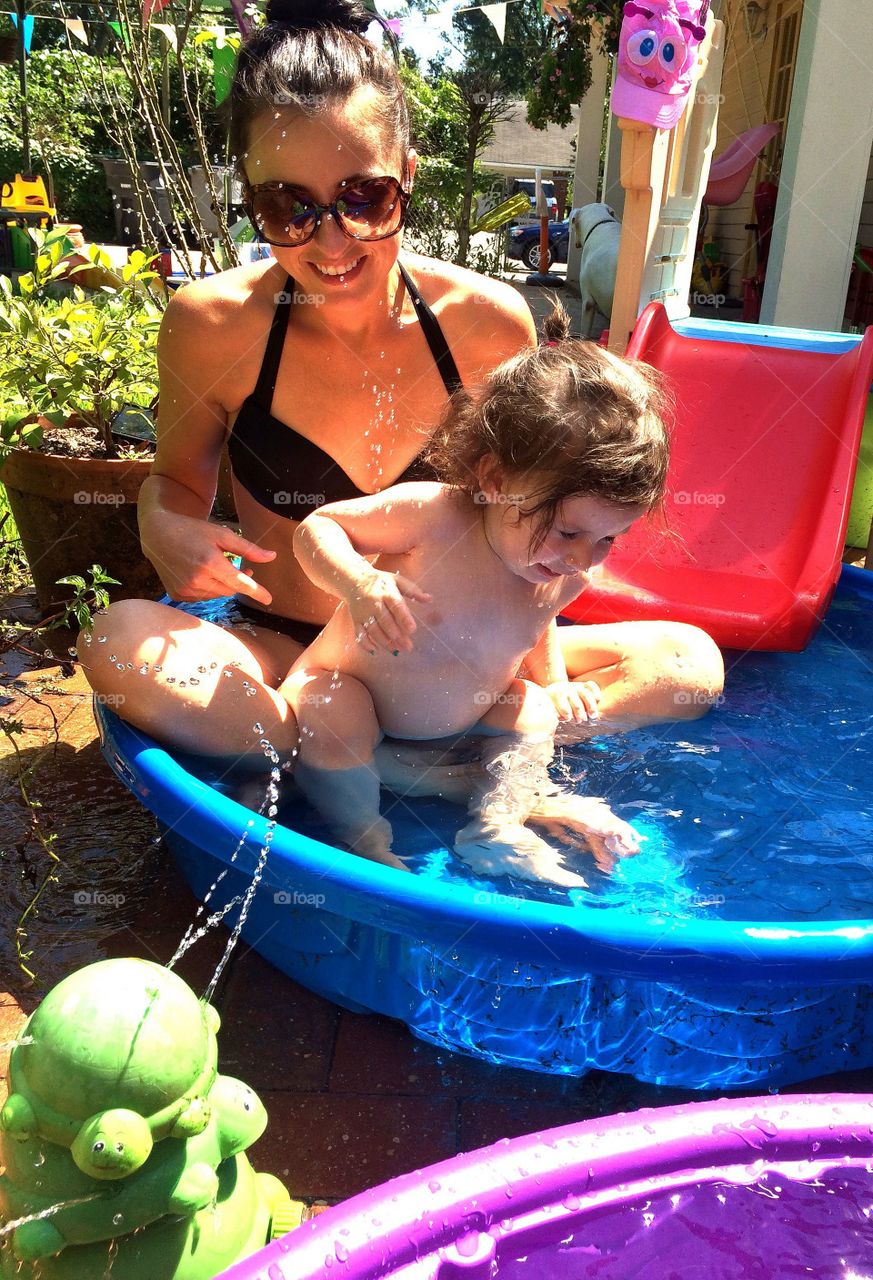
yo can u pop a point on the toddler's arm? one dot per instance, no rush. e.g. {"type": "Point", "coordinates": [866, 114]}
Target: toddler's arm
{"type": "Point", "coordinates": [332, 545]}
{"type": "Point", "coordinates": [574, 701]}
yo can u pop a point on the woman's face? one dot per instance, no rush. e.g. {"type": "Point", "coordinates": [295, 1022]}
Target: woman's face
{"type": "Point", "coordinates": [317, 150]}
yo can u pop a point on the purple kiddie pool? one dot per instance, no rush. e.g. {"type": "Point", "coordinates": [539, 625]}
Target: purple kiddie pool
{"type": "Point", "coordinates": [749, 1189]}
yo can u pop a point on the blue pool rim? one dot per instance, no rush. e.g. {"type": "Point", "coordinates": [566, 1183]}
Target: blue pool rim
{"type": "Point", "coordinates": [608, 940]}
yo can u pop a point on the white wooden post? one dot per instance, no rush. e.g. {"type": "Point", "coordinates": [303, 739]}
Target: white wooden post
{"type": "Point", "coordinates": [824, 167]}
{"type": "Point", "coordinates": [588, 136]}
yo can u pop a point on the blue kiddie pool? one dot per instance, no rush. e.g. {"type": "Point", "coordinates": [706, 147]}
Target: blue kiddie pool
{"type": "Point", "coordinates": [736, 948]}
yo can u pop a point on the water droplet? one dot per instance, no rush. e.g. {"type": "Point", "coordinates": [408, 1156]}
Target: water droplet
{"type": "Point", "coordinates": [113, 657]}
{"type": "Point", "coordinates": [158, 667]}
{"type": "Point", "coordinates": [227, 674]}
{"type": "Point", "coordinates": [144, 669]}
{"type": "Point", "coordinates": [38, 1160]}
{"type": "Point", "coordinates": [193, 680]}
{"type": "Point", "coordinates": [250, 692]}
{"type": "Point", "coordinates": [183, 684]}
{"type": "Point", "coordinates": [171, 679]}
{"type": "Point", "coordinates": [119, 666]}
{"type": "Point", "coordinates": [258, 728]}
{"type": "Point", "coordinates": [73, 652]}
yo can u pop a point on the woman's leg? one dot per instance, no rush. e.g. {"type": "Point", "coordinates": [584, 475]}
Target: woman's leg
{"type": "Point", "coordinates": [647, 671]}
{"type": "Point", "coordinates": [192, 684]}
{"type": "Point", "coordinates": [335, 769]}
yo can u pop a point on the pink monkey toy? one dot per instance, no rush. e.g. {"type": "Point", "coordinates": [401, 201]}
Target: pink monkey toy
{"type": "Point", "coordinates": [657, 52]}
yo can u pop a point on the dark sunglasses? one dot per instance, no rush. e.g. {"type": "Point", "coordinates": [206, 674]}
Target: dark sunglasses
{"type": "Point", "coordinates": [365, 209]}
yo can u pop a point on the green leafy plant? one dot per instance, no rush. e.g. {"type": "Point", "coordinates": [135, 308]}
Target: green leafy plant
{"type": "Point", "coordinates": [81, 357]}
{"type": "Point", "coordinates": [564, 74]}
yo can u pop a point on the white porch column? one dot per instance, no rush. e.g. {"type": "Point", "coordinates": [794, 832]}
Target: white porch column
{"type": "Point", "coordinates": [824, 167]}
{"type": "Point", "coordinates": [588, 150]}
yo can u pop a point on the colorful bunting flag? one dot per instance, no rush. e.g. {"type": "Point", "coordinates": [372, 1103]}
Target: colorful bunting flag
{"type": "Point", "coordinates": [150, 8]}
{"type": "Point", "coordinates": [223, 59]}
{"type": "Point", "coordinates": [28, 29]}
{"type": "Point", "coordinates": [168, 32]}
{"type": "Point", "coordinates": [76, 27]}
{"type": "Point", "coordinates": [496, 15]}
{"type": "Point", "coordinates": [121, 32]}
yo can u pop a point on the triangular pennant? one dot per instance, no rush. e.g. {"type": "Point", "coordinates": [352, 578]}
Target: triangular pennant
{"type": "Point", "coordinates": [121, 32]}
{"type": "Point", "coordinates": [76, 27]}
{"type": "Point", "coordinates": [28, 29]}
{"type": "Point", "coordinates": [168, 32]}
{"type": "Point", "coordinates": [223, 60]}
{"type": "Point", "coordinates": [150, 8]}
{"type": "Point", "coordinates": [496, 15]}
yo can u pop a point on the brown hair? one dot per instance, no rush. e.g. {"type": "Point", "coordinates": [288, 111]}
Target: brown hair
{"type": "Point", "coordinates": [569, 414]}
{"type": "Point", "coordinates": [309, 53]}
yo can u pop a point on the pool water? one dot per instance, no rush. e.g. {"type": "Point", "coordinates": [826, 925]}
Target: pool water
{"type": "Point", "coordinates": [774, 1226]}
{"type": "Point", "coordinates": [760, 811]}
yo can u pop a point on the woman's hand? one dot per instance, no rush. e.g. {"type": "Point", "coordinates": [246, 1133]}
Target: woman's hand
{"type": "Point", "coordinates": [190, 556]}
{"type": "Point", "coordinates": [379, 611]}
{"type": "Point", "coordinates": [576, 701]}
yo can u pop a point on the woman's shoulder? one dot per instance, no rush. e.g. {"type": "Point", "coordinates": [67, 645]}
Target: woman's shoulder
{"type": "Point", "coordinates": [484, 320]}
{"type": "Point", "coordinates": [216, 325]}
{"type": "Point", "coordinates": [239, 293]}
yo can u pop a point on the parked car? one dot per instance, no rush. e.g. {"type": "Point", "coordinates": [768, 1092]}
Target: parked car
{"type": "Point", "coordinates": [529, 187]}
{"type": "Point", "coordinates": [524, 243]}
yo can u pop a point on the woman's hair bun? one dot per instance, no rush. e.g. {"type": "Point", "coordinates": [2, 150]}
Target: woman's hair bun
{"type": "Point", "coordinates": [312, 15]}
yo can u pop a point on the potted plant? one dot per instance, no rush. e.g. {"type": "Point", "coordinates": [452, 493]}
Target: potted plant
{"type": "Point", "coordinates": [71, 367]}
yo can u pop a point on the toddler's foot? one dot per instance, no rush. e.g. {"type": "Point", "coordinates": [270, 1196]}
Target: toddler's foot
{"type": "Point", "coordinates": [511, 849]}
{"type": "Point", "coordinates": [374, 842]}
{"type": "Point", "coordinates": [586, 821]}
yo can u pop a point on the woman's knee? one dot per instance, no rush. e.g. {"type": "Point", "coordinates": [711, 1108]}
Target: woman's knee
{"type": "Point", "coordinates": [116, 637]}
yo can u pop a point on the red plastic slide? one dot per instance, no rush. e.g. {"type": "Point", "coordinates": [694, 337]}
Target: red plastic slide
{"type": "Point", "coordinates": [764, 452]}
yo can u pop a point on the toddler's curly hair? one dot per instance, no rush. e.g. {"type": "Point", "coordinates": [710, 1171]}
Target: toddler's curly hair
{"type": "Point", "coordinates": [568, 415]}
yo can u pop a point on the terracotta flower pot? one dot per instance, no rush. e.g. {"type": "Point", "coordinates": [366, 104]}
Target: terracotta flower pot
{"type": "Point", "coordinates": [75, 512]}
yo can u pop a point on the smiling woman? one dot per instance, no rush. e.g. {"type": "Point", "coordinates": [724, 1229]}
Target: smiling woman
{"type": "Point", "coordinates": [325, 371]}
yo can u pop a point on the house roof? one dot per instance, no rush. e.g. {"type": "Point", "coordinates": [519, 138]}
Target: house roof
{"type": "Point", "coordinates": [516, 145]}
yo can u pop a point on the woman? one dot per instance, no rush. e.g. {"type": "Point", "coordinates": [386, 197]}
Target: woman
{"type": "Point", "coordinates": [324, 369]}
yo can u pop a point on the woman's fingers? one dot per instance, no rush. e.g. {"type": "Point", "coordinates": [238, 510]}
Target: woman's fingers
{"type": "Point", "coordinates": [239, 546]}
{"type": "Point", "coordinates": [243, 583]}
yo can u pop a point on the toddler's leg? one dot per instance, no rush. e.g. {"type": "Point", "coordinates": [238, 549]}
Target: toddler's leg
{"type": "Point", "coordinates": [517, 747]}
{"type": "Point", "coordinates": [335, 768]}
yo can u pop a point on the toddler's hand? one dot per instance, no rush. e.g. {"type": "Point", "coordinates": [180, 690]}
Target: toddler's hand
{"type": "Point", "coordinates": [379, 611]}
{"type": "Point", "coordinates": [576, 701]}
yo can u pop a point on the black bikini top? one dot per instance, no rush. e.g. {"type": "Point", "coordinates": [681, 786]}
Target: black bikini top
{"type": "Point", "coordinates": [280, 468]}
